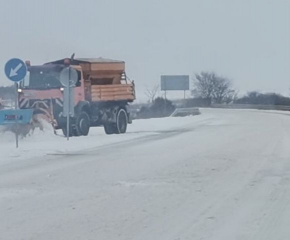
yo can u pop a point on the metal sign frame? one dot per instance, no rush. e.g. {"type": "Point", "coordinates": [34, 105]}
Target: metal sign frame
{"type": "Point", "coordinates": [174, 82]}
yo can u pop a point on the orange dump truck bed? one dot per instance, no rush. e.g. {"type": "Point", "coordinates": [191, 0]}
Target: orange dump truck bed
{"type": "Point", "coordinates": [105, 79]}
{"type": "Point", "coordinates": [101, 66]}
{"type": "Point", "coordinates": [115, 92]}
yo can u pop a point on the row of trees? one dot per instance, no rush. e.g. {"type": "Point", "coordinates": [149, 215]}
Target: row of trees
{"type": "Point", "coordinates": [7, 93]}
{"type": "Point", "coordinates": [263, 99]}
{"type": "Point", "coordinates": [210, 88]}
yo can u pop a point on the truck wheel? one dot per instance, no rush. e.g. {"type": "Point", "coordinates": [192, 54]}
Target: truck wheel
{"type": "Point", "coordinates": [65, 132]}
{"type": "Point", "coordinates": [75, 132]}
{"type": "Point", "coordinates": [72, 132]}
{"type": "Point", "coordinates": [110, 128]}
{"type": "Point", "coordinates": [122, 121]}
{"type": "Point", "coordinates": [82, 124]}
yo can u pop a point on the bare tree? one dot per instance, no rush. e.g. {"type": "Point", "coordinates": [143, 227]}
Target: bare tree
{"type": "Point", "coordinates": [204, 86]}
{"type": "Point", "coordinates": [223, 91]}
{"type": "Point", "coordinates": [231, 97]}
{"type": "Point", "coordinates": [213, 88]}
{"type": "Point", "coordinates": [151, 93]}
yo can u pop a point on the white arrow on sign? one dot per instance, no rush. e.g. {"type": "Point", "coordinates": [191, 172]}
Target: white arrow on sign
{"type": "Point", "coordinates": [13, 72]}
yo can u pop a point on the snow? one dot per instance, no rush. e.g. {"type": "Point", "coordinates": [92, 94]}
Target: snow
{"type": "Point", "coordinates": [220, 175]}
{"type": "Point", "coordinates": [45, 142]}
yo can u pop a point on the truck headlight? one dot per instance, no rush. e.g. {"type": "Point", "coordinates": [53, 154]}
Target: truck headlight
{"type": "Point", "coordinates": [19, 90]}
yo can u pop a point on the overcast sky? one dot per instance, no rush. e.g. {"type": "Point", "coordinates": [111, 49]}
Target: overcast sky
{"type": "Point", "coordinates": [245, 40]}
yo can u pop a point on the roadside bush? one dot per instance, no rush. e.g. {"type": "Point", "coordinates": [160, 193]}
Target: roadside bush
{"type": "Point", "coordinates": [263, 99]}
{"type": "Point", "coordinates": [196, 102]}
{"type": "Point", "coordinates": [159, 108]}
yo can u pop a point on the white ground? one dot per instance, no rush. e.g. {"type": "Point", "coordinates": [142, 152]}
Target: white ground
{"type": "Point", "coordinates": [222, 175]}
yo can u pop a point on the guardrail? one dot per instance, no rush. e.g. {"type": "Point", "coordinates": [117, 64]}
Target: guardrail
{"type": "Point", "coordinates": [182, 112]}
{"type": "Point", "coordinates": [252, 106]}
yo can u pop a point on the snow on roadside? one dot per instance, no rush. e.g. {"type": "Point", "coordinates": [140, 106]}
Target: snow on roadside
{"type": "Point", "coordinates": [43, 143]}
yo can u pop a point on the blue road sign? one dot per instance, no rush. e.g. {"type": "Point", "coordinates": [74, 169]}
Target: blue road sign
{"type": "Point", "coordinates": [15, 69]}
{"type": "Point", "coordinates": [11, 116]}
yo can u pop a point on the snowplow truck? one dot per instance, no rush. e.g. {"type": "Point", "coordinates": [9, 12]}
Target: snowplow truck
{"type": "Point", "coordinates": [101, 95]}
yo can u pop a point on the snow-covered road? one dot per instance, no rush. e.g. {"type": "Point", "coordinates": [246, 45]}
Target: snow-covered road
{"type": "Point", "coordinates": [222, 175]}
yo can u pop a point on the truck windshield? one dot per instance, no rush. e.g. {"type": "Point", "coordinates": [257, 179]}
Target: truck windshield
{"type": "Point", "coordinates": [42, 78]}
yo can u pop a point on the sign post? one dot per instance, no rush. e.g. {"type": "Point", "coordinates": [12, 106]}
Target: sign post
{"type": "Point", "coordinates": [15, 70]}
{"type": "Point", "coordinates": [16, 118]}
{"type": "Point", "coordinates": [174, 83]}
{"type": "Point", "coordinates": [68, 79]}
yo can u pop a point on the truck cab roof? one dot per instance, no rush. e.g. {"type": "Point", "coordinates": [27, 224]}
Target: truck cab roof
{"type": "Point", "coordinates": [78, 61]}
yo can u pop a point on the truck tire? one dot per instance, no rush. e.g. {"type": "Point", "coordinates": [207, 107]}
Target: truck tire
{"type": "Point", "coordinates": [83, 124]}
{"type": "Point", "coordinates": [65, 132]}
{"type": "Point", "coordinates": [122, 121]}
{"type": "Point", "coordinates": [72, 132]}
{"type": "Point", "coordinates": [110, 128]}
